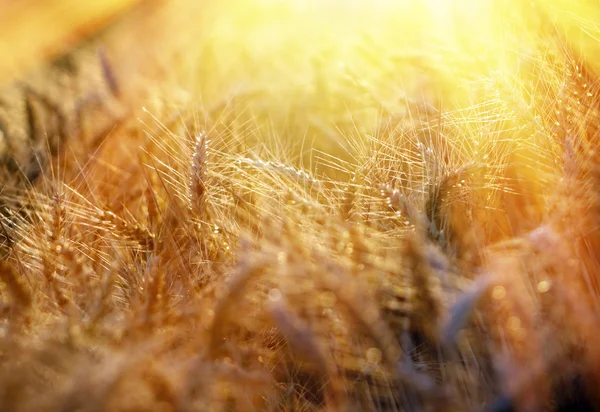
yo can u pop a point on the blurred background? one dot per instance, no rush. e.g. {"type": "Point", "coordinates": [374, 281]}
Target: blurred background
{"type": "Point", "coordinates": [297, 75]}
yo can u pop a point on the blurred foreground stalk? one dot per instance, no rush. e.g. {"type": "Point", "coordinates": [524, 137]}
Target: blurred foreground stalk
{"type": "Point", "coordinates": [32, 31]}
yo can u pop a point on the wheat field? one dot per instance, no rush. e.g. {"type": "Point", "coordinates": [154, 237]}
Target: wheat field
{"type": "Point", "coordinates": [285, 205]}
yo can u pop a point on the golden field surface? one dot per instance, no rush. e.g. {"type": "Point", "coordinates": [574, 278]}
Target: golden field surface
{"type": "Point", "coordinates": [286, 205]}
